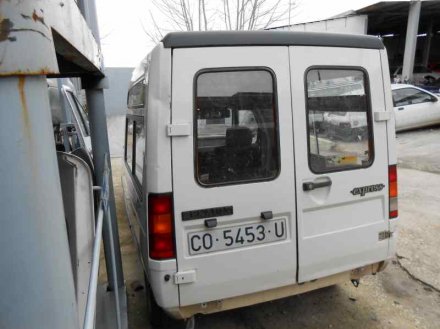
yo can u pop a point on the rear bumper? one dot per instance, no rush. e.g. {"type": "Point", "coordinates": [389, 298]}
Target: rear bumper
{"type": "Point", "coordinates": [277, 293]}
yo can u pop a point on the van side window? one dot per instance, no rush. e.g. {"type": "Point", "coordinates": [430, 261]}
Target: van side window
{"type": "Point", "coordinates": [236, 129]}
{"type": "Point", "coordinates": [140, 148]}
{"type": "Point", "coordinates": [136, 95]}
{"type": "Point", "coordinates": [339, 124]}
{"type": "Point", "coordinates": [135, 132]}
{"type": "Point", "coordinates": [129, 143]}
{"type": "Point", "coordinates": [135, 146]}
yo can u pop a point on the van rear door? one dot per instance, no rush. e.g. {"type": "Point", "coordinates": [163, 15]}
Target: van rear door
{"type": "Point", "coordinates": [232, 161]}
{"type": "Point", "coordinates": [341, 159]}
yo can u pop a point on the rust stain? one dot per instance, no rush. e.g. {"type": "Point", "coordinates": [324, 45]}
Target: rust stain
{"type": "Point", "coordinates": [24, 106]}
{"type": "Point", "coordinates": [5, 29]}
{"type": "Point", "coordinates": [27, 131]}
{"type": "Point", "coordinates": [37, 18]}
{"type": "Point", "coordinates": [43, 71]}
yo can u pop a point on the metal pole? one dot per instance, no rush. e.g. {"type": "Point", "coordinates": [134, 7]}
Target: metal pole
{"type": "Point", "coordinates": [114, 270]}
{"type": "Point", "coordinates": [99, 136]}
{"type": "Point", "coordinates": [89, 318]}
{"type": "Point", "coordinates": [411, 40]}
{"type": "Point", "coordinates": [36, 279]}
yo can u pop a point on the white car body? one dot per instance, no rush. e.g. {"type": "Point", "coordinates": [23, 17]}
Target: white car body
{"type": "Point", "coordinates": [332, 199]}
{"type": "Point", "coordinates": [351, 119]}
{"type": "Point", "coordinates": [414, 107]}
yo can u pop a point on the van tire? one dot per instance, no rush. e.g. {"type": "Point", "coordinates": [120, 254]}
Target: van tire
{"type": "Point", "coordinates": [155, 314]}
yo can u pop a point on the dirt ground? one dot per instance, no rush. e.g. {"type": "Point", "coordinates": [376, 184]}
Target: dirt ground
{"type": "Point", "coordinates": [405, 295]}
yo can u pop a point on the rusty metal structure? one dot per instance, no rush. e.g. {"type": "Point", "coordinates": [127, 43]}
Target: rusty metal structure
{"type": "Point", "coordinates": [40, 39]}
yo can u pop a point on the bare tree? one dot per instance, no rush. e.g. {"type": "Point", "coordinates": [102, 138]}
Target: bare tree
{"type": "Point", "coordinates": [205, 15]}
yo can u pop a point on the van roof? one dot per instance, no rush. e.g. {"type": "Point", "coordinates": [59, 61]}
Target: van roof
{"type": "Point", "coordinates": [268, 38]}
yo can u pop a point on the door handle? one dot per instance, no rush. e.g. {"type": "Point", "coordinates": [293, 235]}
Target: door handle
{"type": "Point", "coordinates": [309, 186]}
{"type": "Point", "coordinates": [400, 108]}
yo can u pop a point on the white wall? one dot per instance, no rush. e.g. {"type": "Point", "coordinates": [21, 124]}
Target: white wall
{"type": "Point", "coordinates": [116, 94]}
{"type": "Point", "coordinates": [116, 106]}
{"type": "Point", "coordinates": [351, 24]}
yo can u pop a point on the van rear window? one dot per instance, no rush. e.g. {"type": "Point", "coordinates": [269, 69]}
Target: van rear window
{"type": "Point", "coordinates": [339, 125]}
{"type": "Point", "coordinates": [236, 134]}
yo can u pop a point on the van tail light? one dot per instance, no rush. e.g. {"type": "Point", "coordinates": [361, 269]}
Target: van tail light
{"type": "Point", "coordinates": [160, 226]}
{"type": "Point", "coordinates": [392, 181]}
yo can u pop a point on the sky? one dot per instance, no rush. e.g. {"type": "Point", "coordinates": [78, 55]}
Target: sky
{"type": "Point", "coordinates": [122, 25]}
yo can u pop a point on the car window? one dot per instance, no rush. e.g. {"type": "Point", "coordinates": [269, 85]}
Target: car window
{"type": "Point", "coordinates": [79, 113]}
{"type": "Point", "coordinates": [410, 96]}
{"type": "Point", "coordinates": [235, 127]}
{"type": "Point", "coordinates": [339, 126]}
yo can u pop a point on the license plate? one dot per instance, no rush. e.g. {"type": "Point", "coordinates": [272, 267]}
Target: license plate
{"type": "Point", "coordinates": [237, 236]}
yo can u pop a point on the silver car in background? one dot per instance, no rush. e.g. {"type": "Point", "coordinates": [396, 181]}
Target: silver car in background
{"type": "Point", "coordinates": [414, 107]}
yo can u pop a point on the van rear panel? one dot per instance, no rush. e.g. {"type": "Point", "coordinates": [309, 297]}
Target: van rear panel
{"type": "Point", "coordinates": [340, 221]}
{"type": "Point", "coordinates": [233, 177]}
{"type": "Point", "coordinates": [275, 161]}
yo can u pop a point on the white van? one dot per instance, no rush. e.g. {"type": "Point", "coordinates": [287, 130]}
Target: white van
{"type": "Point", "coordinates": [233, 196]}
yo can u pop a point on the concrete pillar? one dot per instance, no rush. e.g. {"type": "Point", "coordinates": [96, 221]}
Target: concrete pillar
{"type": "Point", "coordinates": [36, 280]}
{"type": "Point", "coordinates": [427, 45]}
{"type": "Point", "coordinates": [411, 39]}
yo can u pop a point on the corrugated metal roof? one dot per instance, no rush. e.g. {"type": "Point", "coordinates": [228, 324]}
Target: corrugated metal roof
{"type": "Point", "coordinates": [392, 16]}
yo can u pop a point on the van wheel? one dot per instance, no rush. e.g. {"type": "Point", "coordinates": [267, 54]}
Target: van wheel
{"type": "Point", "coordinates": [155, 313]}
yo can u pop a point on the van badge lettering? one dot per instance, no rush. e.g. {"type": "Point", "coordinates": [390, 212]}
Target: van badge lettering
{"type": "Point", "coordinates": [367, 189]}
{"type": "Point", "coordinates": [207, 213]}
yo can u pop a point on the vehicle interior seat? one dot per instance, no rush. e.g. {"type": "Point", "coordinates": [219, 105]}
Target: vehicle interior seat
{"type": "Point", "coordinates": [239, 153]}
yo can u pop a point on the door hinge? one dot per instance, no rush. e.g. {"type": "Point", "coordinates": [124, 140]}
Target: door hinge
{"type": "Point", "coordinates": [382, 116]}
{"type": "Point", "coordinates": [385, 235]}
{"type": "Point", "coordinates": [185, 277]}
{"type": "Point", "coordinates": [178, 129]}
